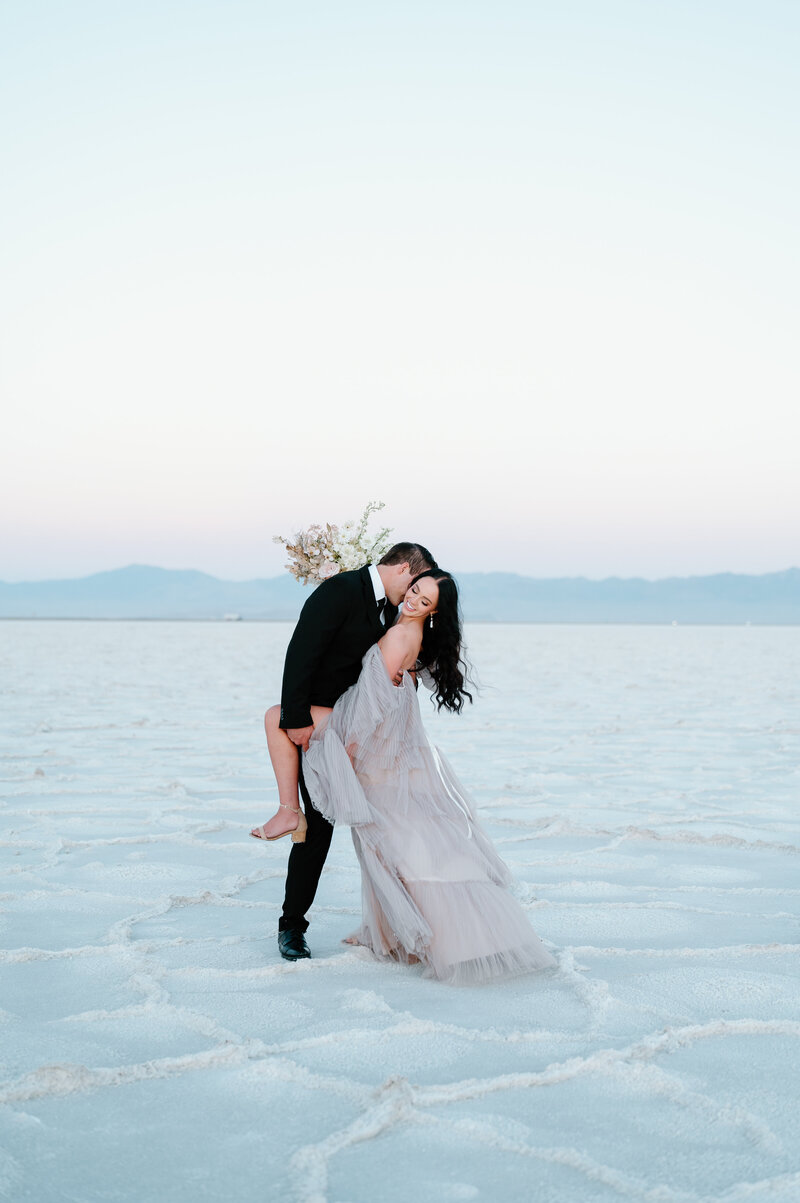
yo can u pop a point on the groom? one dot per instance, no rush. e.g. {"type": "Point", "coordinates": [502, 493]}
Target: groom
{"type": "Point", "coordinates": [341, 620]}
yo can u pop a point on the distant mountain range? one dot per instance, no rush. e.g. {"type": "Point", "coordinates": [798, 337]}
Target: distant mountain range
{"type": "Point", "coordinates": [142, 592]}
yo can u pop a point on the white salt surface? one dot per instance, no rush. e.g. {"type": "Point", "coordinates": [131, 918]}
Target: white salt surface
{"type": "Point", "coordinates": [640, 781]}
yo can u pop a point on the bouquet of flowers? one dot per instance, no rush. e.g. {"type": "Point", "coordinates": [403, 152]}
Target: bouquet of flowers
{"type": "Point", "coordinates": [320, 552]}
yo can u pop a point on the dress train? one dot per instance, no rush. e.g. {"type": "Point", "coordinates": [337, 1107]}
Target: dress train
{"type": "Point", "coordinates": [433, 886]}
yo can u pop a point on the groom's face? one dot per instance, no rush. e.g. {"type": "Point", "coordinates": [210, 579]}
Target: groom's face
{"type": "Point", "coordinates": [400, 578]}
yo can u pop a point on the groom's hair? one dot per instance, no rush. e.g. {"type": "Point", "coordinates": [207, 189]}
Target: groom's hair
{"type": "Point", "coordinates": [418, 558]}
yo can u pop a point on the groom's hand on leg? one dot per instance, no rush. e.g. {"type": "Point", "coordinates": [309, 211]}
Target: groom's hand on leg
{"type": "Point", "coordinates": [300, 735]}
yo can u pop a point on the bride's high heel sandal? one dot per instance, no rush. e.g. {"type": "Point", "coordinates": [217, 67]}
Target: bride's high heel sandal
{"type": "Point", "coordinates": [298, 835]}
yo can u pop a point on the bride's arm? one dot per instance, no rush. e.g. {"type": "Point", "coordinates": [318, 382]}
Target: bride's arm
{"type": "Point", "coordinates": [398, 649]}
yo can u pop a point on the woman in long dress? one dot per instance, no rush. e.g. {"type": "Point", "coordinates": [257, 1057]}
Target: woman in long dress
{"type": "Point", "coordinates": [433, 888]}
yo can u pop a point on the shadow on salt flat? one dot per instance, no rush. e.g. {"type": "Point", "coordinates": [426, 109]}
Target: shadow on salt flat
{"type": "Point", "coordinates": [204, 917]}
{"type": "Point", "coordinates": [213, 956]}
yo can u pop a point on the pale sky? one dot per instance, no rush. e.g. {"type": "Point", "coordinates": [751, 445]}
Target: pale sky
{"type": "Point", "coordinates": [526, 271]}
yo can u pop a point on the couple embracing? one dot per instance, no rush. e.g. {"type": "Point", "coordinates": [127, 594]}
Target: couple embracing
{"type": "Point", "coordinates": [348, 737]}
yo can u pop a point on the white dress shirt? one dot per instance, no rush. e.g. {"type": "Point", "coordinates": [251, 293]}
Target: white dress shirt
{"type": "Point", "coordinates": [380, 592]}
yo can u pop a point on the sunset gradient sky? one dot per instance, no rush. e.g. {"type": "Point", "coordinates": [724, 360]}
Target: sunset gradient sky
{"type": "Point", "coordinates": [525, 271]}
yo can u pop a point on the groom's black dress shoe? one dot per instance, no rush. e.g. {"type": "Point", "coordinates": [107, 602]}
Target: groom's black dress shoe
{"type": "Point", "coordinates": [292, 944]}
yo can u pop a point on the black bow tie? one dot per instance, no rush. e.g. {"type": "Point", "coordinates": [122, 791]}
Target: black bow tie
{"type": "Point", "coordinates": [381, 604]}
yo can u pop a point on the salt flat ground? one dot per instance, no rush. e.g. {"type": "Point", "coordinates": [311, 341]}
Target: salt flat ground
{"type": "Point", "coordinates": [641, 782]}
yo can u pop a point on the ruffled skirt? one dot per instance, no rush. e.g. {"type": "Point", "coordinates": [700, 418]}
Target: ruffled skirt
{"type": "Point", "coordinates": [433, 887]}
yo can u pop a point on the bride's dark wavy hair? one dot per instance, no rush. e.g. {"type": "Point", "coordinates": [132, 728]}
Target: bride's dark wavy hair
{"type": "Point", "coordinates": [442, 651]}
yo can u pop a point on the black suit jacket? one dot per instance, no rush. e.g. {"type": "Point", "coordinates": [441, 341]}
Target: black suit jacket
{"type": "Point", "coordinates": [337, 625]}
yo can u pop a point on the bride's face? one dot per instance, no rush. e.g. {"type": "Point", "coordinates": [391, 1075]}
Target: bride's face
{"type": "Point", "coordinates": [421, 598]}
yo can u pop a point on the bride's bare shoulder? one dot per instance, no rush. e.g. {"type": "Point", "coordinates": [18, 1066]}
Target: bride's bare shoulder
{"type": "Point", "coordinates": [401, 636]}
{"type": "Point", "coordinates": [399, 647]}
{"type": "Point", "coordinates": [398, 632]}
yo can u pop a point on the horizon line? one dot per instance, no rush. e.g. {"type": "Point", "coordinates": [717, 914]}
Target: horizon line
{"type": "Point", "coordinates": [490, 572]}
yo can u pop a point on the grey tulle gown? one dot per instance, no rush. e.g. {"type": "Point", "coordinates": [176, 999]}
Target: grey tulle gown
{"type": "Point", "coordinates": [433, 886]}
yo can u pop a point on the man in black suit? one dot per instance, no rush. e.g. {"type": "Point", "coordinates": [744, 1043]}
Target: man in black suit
{"type": "Point", "coordinates": [341, 620]}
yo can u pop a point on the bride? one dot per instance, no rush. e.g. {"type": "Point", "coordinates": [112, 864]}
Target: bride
{"type": "Point", "coordinates": [433, 888]}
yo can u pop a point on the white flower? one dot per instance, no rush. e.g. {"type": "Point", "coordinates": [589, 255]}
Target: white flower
{"type": "Point", "coordinates": [322, 551]}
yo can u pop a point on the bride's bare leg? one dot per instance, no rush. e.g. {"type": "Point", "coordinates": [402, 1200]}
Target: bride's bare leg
{"type": "Point", "coordinates": [285, 765]}
{"type": "Point", "coordinates": [285, 757]}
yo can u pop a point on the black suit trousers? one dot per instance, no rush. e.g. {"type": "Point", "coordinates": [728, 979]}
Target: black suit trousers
{"type": "Point", "coordinates": [305, 865]}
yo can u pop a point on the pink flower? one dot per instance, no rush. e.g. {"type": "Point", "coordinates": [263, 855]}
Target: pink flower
{"type": "Point", "coordinates": [328, 569]}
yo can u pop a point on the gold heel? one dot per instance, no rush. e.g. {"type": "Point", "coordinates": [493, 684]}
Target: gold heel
{"type": "Point", "coordinates": [299, 833]}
